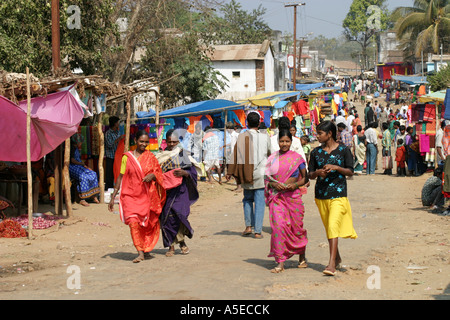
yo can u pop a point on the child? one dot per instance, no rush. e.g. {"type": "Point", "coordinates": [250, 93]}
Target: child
{"type": "Point", "coordinates": [359, 152]}
{"type": "Point", "coordinates": [306, 146]}
{"type": "Point", "coordinates": [400, 158]}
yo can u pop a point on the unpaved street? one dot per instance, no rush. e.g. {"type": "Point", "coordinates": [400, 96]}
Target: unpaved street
{"type": "Point", "coordinates": [400, 243]}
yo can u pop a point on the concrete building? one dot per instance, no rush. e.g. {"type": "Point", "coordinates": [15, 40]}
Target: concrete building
{"type": "Point", "coordinates": [249, 69]}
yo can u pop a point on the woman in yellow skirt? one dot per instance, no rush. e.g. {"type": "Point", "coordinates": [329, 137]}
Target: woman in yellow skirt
{"type": "Point", "coordinates": [330, 164]}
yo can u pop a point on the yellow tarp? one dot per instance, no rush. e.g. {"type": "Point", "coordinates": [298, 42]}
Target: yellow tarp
{"type": "Point", "coordinates": [438, 96]}
{"type": "Point", "coordinates": [267, 99]}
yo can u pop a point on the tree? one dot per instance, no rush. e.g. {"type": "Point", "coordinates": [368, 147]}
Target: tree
{"type": "Point", "coordinates": [440, 80]}
{"type": "Point", "coordinates": [363, 21]}
{"type": "Point", "coordinates": [427, 23]}
{"type": "Point", "coordinates": [25, 35]}
{"type": "Point", "coordinates": [237, 26]}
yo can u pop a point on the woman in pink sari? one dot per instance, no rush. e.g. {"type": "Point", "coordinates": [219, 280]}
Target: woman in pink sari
{"type": "Point", "coordinates": [285, 178]}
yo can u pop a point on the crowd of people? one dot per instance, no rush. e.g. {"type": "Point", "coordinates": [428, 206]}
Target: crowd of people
{"type": "Point", "coordinates": [271, 166]}
{"type": "Point", "coordinates": [386, 134]}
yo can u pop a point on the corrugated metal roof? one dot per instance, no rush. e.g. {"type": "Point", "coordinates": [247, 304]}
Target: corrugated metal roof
{"type": "Point", "coordinates": [238, 52]}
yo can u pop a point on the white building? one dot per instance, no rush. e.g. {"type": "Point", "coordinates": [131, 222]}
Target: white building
{"type": "Point", "coordinates": [248, 68]}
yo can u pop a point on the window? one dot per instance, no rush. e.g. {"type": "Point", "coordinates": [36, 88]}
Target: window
{"type": "Point", "coordinates": [236, 74]}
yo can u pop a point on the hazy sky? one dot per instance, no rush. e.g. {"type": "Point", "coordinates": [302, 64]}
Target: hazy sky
{"type": "Point", "coordinates": [318, 16]}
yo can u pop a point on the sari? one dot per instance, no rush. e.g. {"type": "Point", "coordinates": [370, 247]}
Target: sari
{"type": "Point", "coordinates": [285, 207]}
{"type": "Point", "coordinates": [140, 203]}
{"type": "Point", "coordinates": [87, 181]}
{"type": "Point", "coordinates": [181, 195]}
{"type": "Point", "coordinates": [355, 124]}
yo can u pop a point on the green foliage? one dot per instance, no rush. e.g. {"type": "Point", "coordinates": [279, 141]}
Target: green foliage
{"type": "Point", "coordinates": [237, 26]}
{"type": "Point", "coordinates": [425, 26]}
{"type": "Point", "coordinates": [182, 58]}
{"type": "Point", "coordinates": [440, 80]}
{"type": "Point", "coordinates": [356, 26]}
{"type": "Point", "coordinates": [25, 35]}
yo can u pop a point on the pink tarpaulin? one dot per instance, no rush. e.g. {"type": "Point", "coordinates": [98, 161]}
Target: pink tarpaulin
{"type": "Point", "coordinates": [54, 118]}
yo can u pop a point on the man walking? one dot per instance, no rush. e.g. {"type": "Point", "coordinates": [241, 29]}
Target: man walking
{"type": "Point", "coordinates": [248, 165]}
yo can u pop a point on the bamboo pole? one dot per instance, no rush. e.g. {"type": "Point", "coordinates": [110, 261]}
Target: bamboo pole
{"type": "Point", "coordinates": [100, 159]}
{"type": "Point", "coordinates": [29, 175]}
{"type": "Point", "coordinates": [66, 178]}
{"type": "Point", "coordinates": [157, 106]}
{"type": "Point", "coordinates": [225, 143]}
{"type": "Point", "coordinates": [128, 124]}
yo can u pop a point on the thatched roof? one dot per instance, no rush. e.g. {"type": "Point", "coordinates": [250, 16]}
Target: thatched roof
{"type": "Point", "coordinates": [14, 86]}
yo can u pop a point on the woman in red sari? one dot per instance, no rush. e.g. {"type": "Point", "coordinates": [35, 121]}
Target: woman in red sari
{"type": "Point", "coordinates": [142, 195]}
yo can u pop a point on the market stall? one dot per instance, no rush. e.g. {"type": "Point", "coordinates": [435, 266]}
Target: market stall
{"type": "Point", "coordinates": [426, 116]}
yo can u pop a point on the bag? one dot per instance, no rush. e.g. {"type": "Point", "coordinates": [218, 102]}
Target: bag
{"type": "Point", "coordinates": [387, 163]}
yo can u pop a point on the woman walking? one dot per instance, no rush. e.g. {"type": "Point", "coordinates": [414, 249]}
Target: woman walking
{"type": "Point", "coordinates": [180, 182]}
{"type": "Point", "coordinates": [284, 177]}
{"type": "Point", "coordinates": [330, 163]}
{"type": "Point", "coordinates": [142, 195]}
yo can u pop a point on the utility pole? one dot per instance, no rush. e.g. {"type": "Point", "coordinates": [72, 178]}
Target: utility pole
{"type": "Point", "coordinates": [294, 73]}
{"type": "Point", "coordinates": [56, 64]}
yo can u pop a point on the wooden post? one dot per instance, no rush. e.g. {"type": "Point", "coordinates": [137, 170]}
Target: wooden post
{"type": "Point", "coordinates": [225, 142]}
{"type": "Point", "coordinates": [66, 178]}
{"type": "Point", "coordinates": [157, 107]}
{"type": "Point", "coordinates": [100, 159]}
{"type": "Point", "coordinates": [56, 63]}
{"type": "Point", "coordinates": [56, 51]}
{"type": "Point", "coordinates": [29, 175]}
{"type": "Point", "coordinates": [128, 124]}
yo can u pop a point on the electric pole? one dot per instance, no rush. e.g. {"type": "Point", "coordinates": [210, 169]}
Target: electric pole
{"type": "Point", "coordinates": [294, 73]}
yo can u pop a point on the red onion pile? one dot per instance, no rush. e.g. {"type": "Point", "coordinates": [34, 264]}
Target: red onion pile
{"type": "Point", "coordinates": [43, 222]}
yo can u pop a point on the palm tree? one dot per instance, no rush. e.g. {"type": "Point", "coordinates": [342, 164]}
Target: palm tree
{"type": "Point", "coordinates": [426, 24]}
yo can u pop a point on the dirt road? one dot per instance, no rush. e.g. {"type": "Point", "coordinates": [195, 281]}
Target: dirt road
{"type": "Point", "coordinates": [403, 246]}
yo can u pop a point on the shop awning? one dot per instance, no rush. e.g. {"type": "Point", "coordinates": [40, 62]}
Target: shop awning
{"type": "Point", "coordinates": [202, 107]}
{"type": "Point", "coordinates": [433, 97]}
{"type": "Point", "coordinates": [270, 99]}
{"type": "Point", "coordinates": [411, 80]}
{"type": "Point", "coordinates": [324, 90]}
{"type": "Point", "coordinates": [54, 118]}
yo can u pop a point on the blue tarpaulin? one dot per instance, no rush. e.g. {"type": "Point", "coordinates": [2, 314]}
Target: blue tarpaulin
{"type": "Point", "coordinates": [146, 114]}
{"type": "Point", "coordinates": [447, 105]}
{"type": "Point", "coordinates": [202, 107]}
{"type": "Point", "coordinates": [411, 80]}
{"type": "Point", "coordinates": [306, 86]}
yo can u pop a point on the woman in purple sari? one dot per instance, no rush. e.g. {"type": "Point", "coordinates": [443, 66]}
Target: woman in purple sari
{"type": "Point", "coordinates": [285, 178]}
{"type": "Point", "coordinates": [180, 182]}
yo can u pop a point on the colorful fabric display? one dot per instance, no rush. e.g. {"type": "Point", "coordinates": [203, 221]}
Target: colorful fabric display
{"type": "Point", "coordinates": [424, 143]}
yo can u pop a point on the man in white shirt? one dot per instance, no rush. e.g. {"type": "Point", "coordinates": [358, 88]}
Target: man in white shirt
{"type": "Point", "coordinates": [440, 152]}
{"type": "Point", "coordinates": [341, 117]}
{"type": "Point", "coordinates": [372, 147]}
{"type": "Point", "coordinates": [248, 167]}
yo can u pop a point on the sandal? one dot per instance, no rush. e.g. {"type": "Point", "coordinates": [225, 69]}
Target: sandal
{"type": "Point", "coordinates": [302, 264]}
{"type": "Point", "coordinates": [328, 272]}
{"type": "Point", "coordinates": [246, 233]}
{"type": "Point", "coordinates": [138, 259]}
{"type": "Point", "coordinates": [277, 270]}
{"type": "Point", "coordinates": [258, 236]}
{"type": "Point", "coordinates": [170, 253]}
{"type": "Point", "coordinates": [184, 250]}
